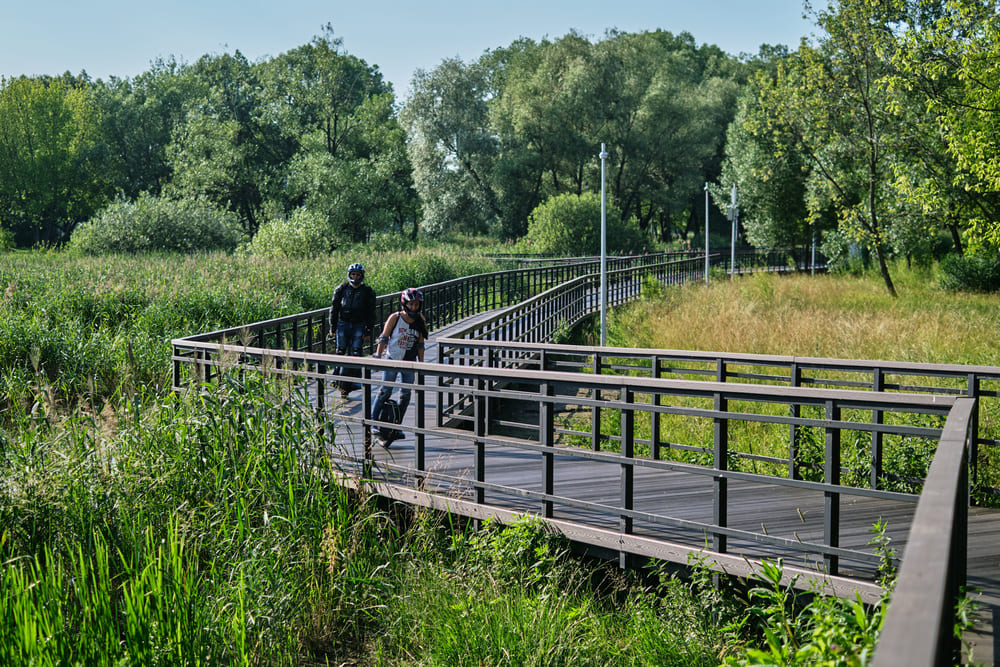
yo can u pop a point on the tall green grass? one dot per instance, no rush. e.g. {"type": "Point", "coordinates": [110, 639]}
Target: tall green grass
{"type": "Point", "coordinates": [211, 529]}
{"type": "Point", "coordinates": [93, 327]}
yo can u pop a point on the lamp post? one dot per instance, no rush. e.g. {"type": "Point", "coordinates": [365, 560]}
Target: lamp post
{"type": "Point", "coordinates": [735, 210]}
{"type": "Point", "coordinates": [706, 232]}
{"type": "Point", "coordinates": [604, 254]}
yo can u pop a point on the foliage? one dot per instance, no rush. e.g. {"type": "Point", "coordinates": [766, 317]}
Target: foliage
{"type": "Point", "coordinates": [571, 225]}
{"type": "Point", "coordinates": [305, 233]}
{"type": "Point", "coordinates": [50, 171]}
{"type": "Point", "coordinates": [81, 329]}
{"type": "Point", "coordinates": [970, 273]}
{"type": "Point", "coordinates": [157, 224]}
{"type": "Point", "coordinates": [827, 631]}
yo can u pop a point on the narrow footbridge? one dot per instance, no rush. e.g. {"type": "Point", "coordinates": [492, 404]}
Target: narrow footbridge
{"type": "Point", "coordinates": [723, 459]}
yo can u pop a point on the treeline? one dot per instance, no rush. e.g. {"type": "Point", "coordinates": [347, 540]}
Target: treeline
{"type": "Point", "coordinates": [880, 135]}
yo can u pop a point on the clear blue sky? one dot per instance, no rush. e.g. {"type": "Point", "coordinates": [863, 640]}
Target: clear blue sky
{"type": "Point", "coordinates": [122, 37]}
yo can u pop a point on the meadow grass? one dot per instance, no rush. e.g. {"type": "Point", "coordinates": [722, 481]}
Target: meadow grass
{"type": "Point", "coordinates": [90, 328]}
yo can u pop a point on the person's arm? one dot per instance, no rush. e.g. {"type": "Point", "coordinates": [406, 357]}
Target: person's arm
{"type": "Point", "coordinates": [369, 313]}
{"type": "Point", "coordinates": [335, 309]}
{"type": "Point", "coordinates": [383, 340]}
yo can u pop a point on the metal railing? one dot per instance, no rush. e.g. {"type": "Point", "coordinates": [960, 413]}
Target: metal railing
{"type": "Point", "coordinates": [918, 629]}
{"type": "Point", "coordinates": [468, 347]}
{"type": "Point", "coordinates": [470, 410]}
{"type": "Point", "coordinates": [484, 372]}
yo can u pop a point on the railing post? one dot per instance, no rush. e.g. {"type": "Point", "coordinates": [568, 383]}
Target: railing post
{"type": "Point", "coordinates": [547, 440]}
{"type": "Point", "coordinates": [627, 470]}
{"type": "Point", "coordinates": [878, 417]}
{"type": "Point", "coordinates": [654, 416]}
{"type": "Point", "coordinates": [795, 380]}
{"type": "Point", "coordinates": [366, 410]}
{"type": "Point", "coordinates": [831, 477]}
{"type": "Point", "coordinates": [595, 412]}
{"type": "Point", "coordinates": [418, 437]}
{"type": "Point", "coordinates": [974, 388]}
{"type": "Point", "coordinates": [479, 425]}
{"type": "Point", "coordinates": [720, 485]}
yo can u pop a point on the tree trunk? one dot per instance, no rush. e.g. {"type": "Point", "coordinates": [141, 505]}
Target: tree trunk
{"type": "Point", "coordinates": [883, 268]}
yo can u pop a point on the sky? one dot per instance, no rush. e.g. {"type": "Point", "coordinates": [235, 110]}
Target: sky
{"type": "Point", "coordinates": [123, 38]}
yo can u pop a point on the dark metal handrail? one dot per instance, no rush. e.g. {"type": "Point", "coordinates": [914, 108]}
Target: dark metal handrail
{"type": "Point", "coordinates": [467, 399]}
{"type": "Point", "coordinates": [918, 629]}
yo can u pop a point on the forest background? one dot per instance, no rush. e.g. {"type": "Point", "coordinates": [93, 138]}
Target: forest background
{"type": "Point", "coordinates": [878, 138]}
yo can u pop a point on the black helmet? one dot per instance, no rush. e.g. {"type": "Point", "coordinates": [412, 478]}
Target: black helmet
{"type": "Point", "coordinates": [356, 268]}
{"type": "Point", "coordinates": [409, 297]}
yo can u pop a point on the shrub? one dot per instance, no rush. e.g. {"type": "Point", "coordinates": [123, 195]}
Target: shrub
{"type": "Point", "coordinates": [6, 240]}
{"type": "Point", "coordinates": [970, 273]}
{"type": "Point", "coordinates": [571, 225]}
{"type": "Point", "coordinates": [305, 234]}
{"type": "Point", "coordinates": [152, 224]}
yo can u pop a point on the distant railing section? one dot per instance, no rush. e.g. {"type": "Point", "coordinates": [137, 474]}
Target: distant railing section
{"type": "Point", "coordinates": [453, 300]}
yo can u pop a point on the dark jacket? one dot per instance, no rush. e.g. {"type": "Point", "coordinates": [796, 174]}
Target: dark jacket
{"type": "Point", "coordinates": [353, 304]}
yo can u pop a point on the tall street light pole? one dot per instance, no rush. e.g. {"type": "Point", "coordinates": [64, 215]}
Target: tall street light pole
{"type": "Point", "coordinates": [734, 209]}
{"type": "Point", "coordinates": [706, 232]}
{"type": "Point", "coordinates": [604, 254]}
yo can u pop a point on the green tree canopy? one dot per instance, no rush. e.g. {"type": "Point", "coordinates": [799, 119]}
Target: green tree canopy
{"type": "Point", "coordinates": [570, 224]}
{"type": "Point", "coordinates": [50, 175]}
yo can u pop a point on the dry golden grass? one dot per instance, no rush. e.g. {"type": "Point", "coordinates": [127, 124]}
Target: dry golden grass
{"type": "Point", "coordinates": [818, 316]}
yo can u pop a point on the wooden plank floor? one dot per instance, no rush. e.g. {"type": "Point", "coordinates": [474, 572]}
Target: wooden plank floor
{"type": "Point", "coordinates": [779, 511]}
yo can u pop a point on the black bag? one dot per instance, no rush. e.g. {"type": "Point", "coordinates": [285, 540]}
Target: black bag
{"type": "Point", "coordinates": [389, 412]}
{"type": "Point", "coordinates": [346, 385]}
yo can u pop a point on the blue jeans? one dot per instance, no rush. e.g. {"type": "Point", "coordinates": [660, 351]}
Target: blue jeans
{"type": "Point", "coordinates": [350, 337]}
{"type": "Point", "coordinates": [385, 391]}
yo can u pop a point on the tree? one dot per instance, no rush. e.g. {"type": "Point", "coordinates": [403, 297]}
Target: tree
{"type": "Point", "coordinates": [138, 120]}
{"type": "Point", "coordinates": [350, 165]}
{"type": "Point", "coordinates": [569, 224]}
{"type": "Point", "coordinates": [836, 103]}
{"type": "Point", "coordinates": [50, 176]}
{"type": "Point", "coordinates": [766, 162]}
{"type": "Point", "coordinates": [228, 148]}
{"type": "Point", "coordinates": [452, 148]}
{"type": "Point", "coordinates": [950, 61]}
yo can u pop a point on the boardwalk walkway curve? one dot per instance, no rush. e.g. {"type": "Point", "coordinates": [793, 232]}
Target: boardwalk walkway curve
{"type": "Point", "coordinates": [507, 424]}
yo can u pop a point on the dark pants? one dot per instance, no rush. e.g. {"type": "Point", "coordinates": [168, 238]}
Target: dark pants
{"type": "Point", "coordinates": [350, 338]}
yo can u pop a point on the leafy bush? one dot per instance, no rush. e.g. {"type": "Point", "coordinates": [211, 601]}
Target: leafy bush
{"type": "Point", "coordinates": [6, 240]}
{"type": "Point", "coordinates": [571, 225]}
{"type": "Point", "coordinates": [305, 234]}
{"type": "Point", "coordinates": [970, 273]}
{"type": "Point", "coordinates": [153, 224]}
{"type": "Point", "coordinates": [842, 254]}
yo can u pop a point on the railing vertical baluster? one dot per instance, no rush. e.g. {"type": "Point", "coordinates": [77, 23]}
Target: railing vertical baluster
{"type": "Point", "coordinates": [973, 390]}
{"type": "Point", "coordinates": [479, 425]}
{"type": "Point", "coordinates": [595, 411]}
{"type": "Point", "coordinates": [831, 477]}
{"type": "Point", "coordinates": [547, 440]}
{"type": "Point", "coordinates": [795, 380]}
{"type": "Point", "coordinates": [627, 470]}
{"type": "Point", "coordinates": [720, 487]}
{"type": "Point", "coordinates": [654, 416]}
{"type": "Point", "coordinates": [366, 409]}
{"type": "Point", "coordinates": [875, 472]}
{"type": "Point", "coordinates": [418, 438]}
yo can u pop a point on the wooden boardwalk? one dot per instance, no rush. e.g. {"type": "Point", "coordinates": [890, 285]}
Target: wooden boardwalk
{"type": "Point", "coordinates": [785, 511]}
